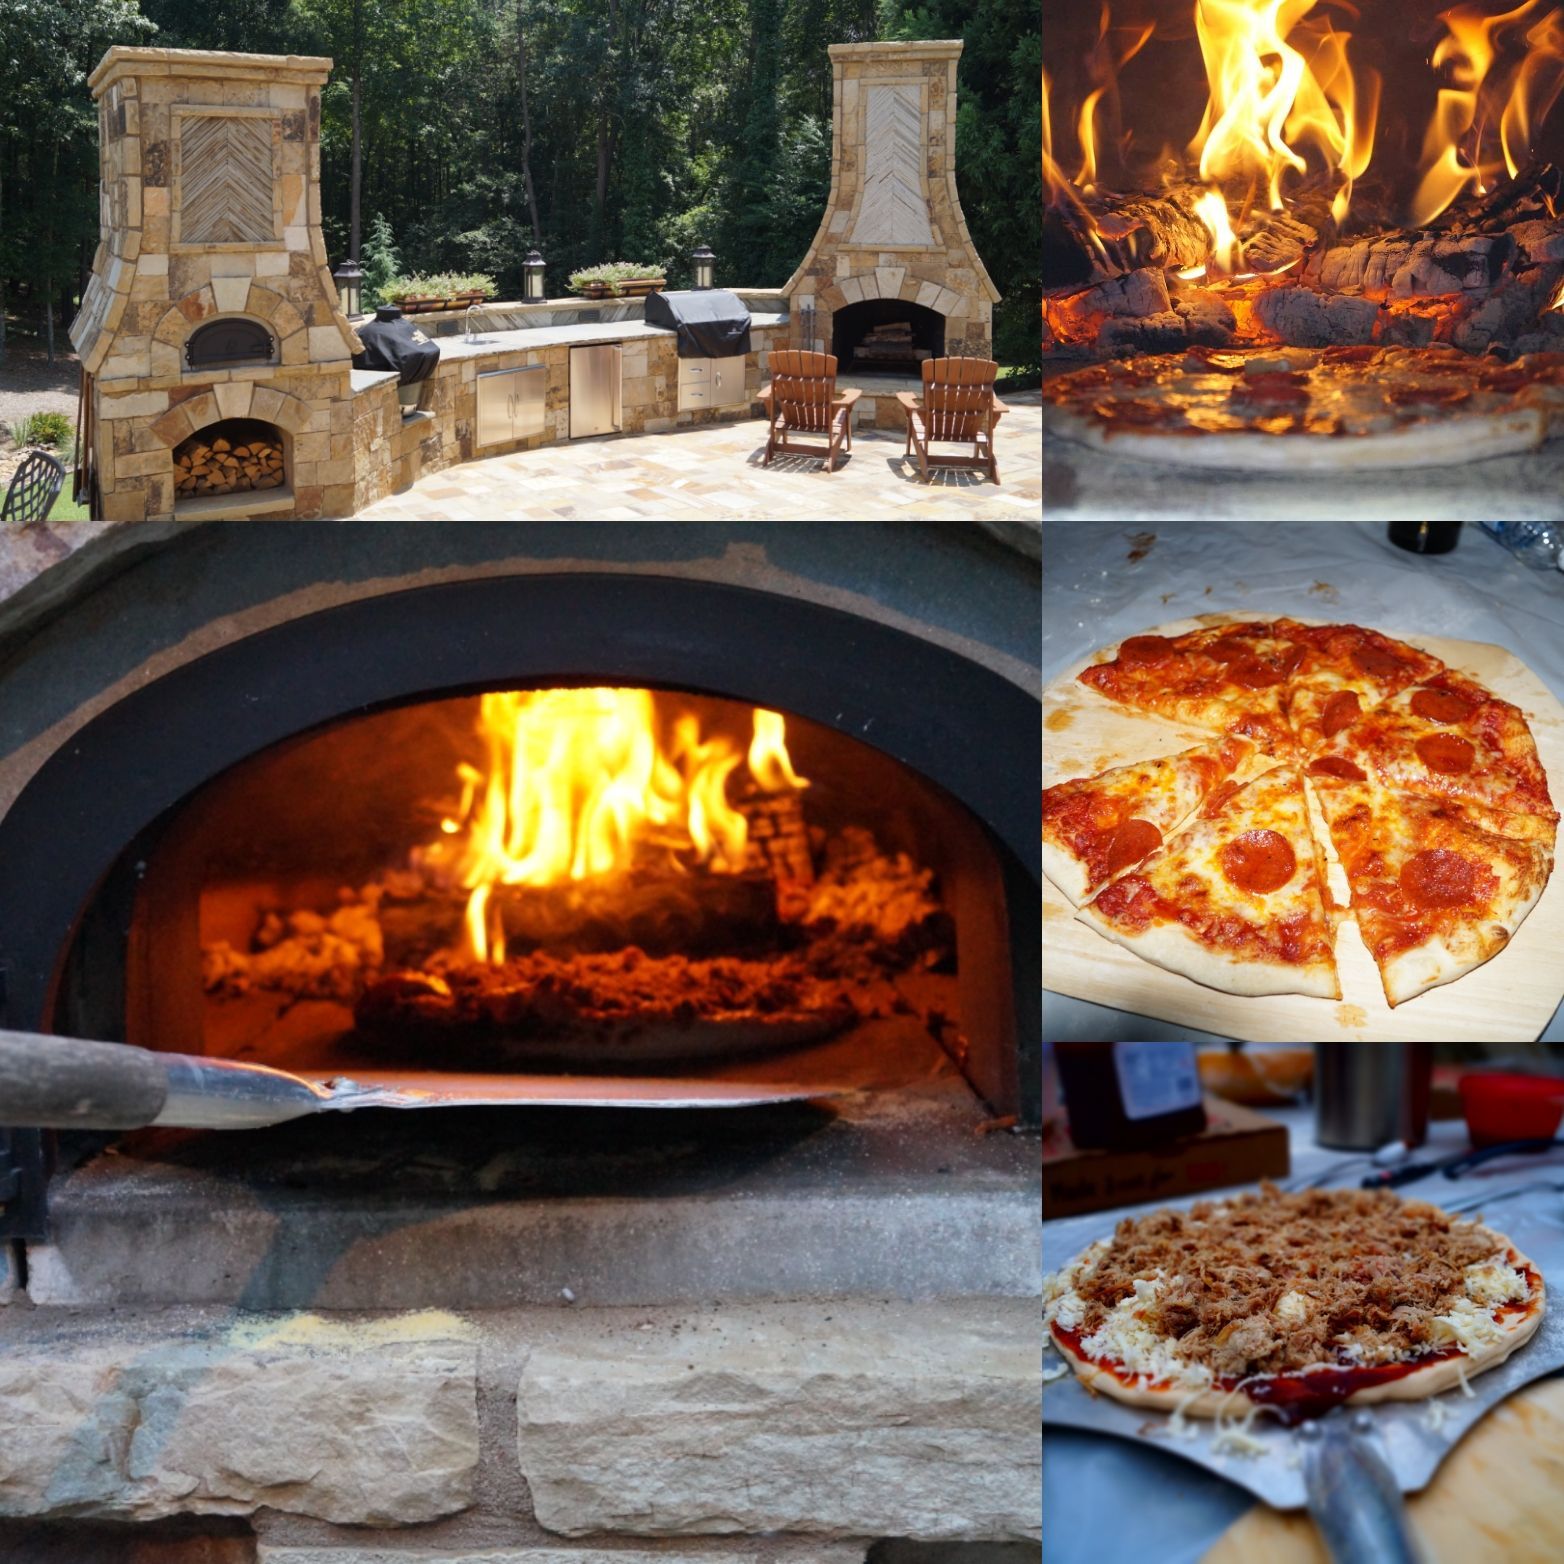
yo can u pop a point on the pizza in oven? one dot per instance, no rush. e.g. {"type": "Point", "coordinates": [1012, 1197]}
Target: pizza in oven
{"type": "Point", "coordinates": [1431, 791]}
{"type": "Point", "coordinates": [1340, 409]}
{"type": "Point", "coordinates": [1292, 1302]}
{"type": "Point", "coordinates": [1095, 828]}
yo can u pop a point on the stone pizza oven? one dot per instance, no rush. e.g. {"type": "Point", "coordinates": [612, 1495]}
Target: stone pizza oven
{"type": "Point", "coordinates": [215, 357]}
{"type": "Point", "coordinates": [892, 276]}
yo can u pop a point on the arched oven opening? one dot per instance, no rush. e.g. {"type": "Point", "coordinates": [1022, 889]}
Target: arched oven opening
{"type": "Point", "coordinates": [600, 881]}
{"type": "Point", "coordinates": [886, 336]}
{"type": "Point", "coordinates": [231, 456]}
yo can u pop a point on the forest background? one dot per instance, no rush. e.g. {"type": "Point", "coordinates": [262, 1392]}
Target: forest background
{"type": "Point", "coordinates": [592, 130]}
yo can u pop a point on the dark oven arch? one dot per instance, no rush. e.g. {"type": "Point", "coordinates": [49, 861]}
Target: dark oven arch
{"type": "Point", "coordinates": [228, 341]}
{"type": "Point", "coordinates": [962, 726]}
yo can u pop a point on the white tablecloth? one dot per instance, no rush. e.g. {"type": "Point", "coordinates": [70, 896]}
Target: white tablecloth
{"type": "Point", "coordinates": [1108, 1501]}
{"type": "Point", "coordinates": [1093, 593]}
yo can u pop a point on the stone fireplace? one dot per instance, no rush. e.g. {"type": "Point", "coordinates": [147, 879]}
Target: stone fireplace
{"type": "Point", "coordinates": [893, 265]}
{"type": "Point", "coordinates": [211, 302]}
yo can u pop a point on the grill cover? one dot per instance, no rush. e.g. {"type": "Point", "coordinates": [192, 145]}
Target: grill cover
{"type": "Point", "coordinates": [391, 341]}
{"type": "Point", "coordinates": [711, 322]}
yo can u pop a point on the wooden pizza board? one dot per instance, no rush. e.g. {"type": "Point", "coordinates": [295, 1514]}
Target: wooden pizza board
{"type": "Point", "coordinates": [1510, 999]}
{"type": "Point", "coordinates": [1493, 1501]}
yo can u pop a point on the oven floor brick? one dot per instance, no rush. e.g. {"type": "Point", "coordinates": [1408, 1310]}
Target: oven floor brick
{"type": "Point", "coordinates": [846, 1419]}
{"type": "Point", "coordinates": [359, 1423]}
{"type": "Point", "coordinates": [677, 1553]}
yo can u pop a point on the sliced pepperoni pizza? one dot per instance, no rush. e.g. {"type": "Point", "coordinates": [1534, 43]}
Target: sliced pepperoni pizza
{"type": "Point", "coordinates": [1344, 672]}
{"type": "Point", "coordinates": [1236, 900]}
{"type": "Point", "coordinates": [1097, 827]}
{"type": "Point", "coordinates": [1228, 678]}
{"type": "Point", "coordinates": [1438, 888]}
{"type": "Point", "coordinates": [1449, 738]}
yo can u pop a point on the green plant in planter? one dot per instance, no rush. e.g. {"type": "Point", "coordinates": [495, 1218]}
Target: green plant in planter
{"type": "Point", "coordinates": [439, 285]}
{"type": "Point", "coordinates": [51, 429]}
{"type": "Point", "coordinates": [611, 274]}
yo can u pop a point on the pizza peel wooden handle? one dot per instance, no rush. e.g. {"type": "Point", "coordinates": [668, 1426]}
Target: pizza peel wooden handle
{"type": "Point", "coordinates": [1354, 1499]}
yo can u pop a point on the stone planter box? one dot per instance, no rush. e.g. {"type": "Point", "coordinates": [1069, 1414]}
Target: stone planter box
{"type": "Point", "coordinates": [427, 303]}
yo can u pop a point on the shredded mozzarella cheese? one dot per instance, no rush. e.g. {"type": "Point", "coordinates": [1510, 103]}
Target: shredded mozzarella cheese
{"type": "Point", "coordinates": [1293, 1307]}
{"type": "Point", "coordinates": [1468, 1324]}
{"type": "Point", "coordinates": [1495, 1283]}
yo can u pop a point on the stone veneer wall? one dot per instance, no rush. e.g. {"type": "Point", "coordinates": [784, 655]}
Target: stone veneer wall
{"type": "Point", "coordinates": [893, 225]}
{"type": "Point", "coordinates": [391, 452]}
{"type": "Point", "coordinates": [754, 1433]}
{"type": "Point", "coordinates": [210, 205]}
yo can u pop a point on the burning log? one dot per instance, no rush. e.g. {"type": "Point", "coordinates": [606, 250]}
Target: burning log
{"type": "Point", "coordinates": [1112, 235]}
{"type": "Point", "coordinates": [221, 467]}
{"type": "Point", "coordinates": [660, 913]}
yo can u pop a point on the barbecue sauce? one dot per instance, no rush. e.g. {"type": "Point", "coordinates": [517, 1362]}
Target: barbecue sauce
{"type": "Point", "coordinates": [1125, 1096]}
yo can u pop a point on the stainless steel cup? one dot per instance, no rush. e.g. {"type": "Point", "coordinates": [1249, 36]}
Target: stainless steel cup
{"type": "Point", "coordinates": [1369, 1094]}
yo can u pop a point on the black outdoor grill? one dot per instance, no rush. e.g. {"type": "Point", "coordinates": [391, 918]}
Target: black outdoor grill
{"type": "Point", "coordinates": [391, 341]}
{"type": "Point", "coordinates": [711, 322]}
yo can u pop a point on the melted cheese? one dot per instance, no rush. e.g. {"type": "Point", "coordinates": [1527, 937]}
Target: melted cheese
{"type": "Point", "coordinates": [1129, 1343]}
{"type": "Point", "coordinates": [1468, 1324]}
{"type": "Point", "coordinates": [1057, 1371]}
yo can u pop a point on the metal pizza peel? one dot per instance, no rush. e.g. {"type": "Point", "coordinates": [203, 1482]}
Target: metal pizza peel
{"type": "Point", "coordinates": [1350, 1468]}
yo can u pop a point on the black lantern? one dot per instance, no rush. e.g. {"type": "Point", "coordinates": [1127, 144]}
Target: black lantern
{"type": "Point", "coordinates": [350, 283]}
{"type": "Point", "coordinates": [704, 262]}
{"type": "Point", "coordinates": [532, 278]}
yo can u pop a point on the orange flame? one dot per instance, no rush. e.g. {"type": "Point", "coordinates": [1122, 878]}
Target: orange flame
{"type": "Point", "coordinates": [1268, 99]}
{"type": "Point", "coordinates": [1515, 99]}
{"type": "Point", "coordinates": [1103, 65]}
{"type": "Point", "coordinates": [1227, 253]}
{"type": "Point", "coordinates": [580, 782]}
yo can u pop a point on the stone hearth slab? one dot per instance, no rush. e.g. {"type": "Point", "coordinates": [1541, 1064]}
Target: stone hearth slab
{"type": "Point", "coordinates": [749, 1553]}
{"type": "Point", "coordinates": [474, 1208]}
{"type": "Point", "coordinates": [845, 1419]}
{"type": "Point", "coordinates": [367, 1424]}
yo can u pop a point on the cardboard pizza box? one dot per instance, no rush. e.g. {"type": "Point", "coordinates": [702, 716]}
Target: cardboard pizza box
{"type": "Point", "coordinates": [1237, 1146]}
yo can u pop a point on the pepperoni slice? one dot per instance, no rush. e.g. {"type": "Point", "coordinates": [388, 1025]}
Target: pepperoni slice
{"type": "Point", "coordinates": [1233, 651]}
{"type": "Point", "coordinates": [1446, 754]}
{"type": "Point", "coordinates": [1145, 649]}
{"type": "Point", "coordinates": [1376, 661]}
{"type": "Point", "coordinates": [1341, 711]}
{"type": "Point", "coordinates": [1289, 660]}
{"type": "Point", "coordinates": [1335, 766]}
{"type": "Point", "coordinates": [1439, 878]}
{"type": "Point", "coordinates": [1441, 705]}
{"type": "Point", "coordinates": [1131, 842]}
{"type": "Point", "coordinates": [1256, 675]}
{"type": "Point", "coordinates": [1258, 861]}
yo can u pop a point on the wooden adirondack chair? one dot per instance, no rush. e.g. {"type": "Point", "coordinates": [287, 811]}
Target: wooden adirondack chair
{"type": "Point", "coordinates": [958, 407]}
{"type": "Point", "coordinates": [802, 399]}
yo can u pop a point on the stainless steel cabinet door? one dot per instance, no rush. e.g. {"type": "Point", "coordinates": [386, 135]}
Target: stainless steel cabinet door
{"type": "Point", "coordinates": [727, 382]}
{"type": "Point", "coordinates": [596, 387]}
{"type": "Point", "coordinates": [511, 404]}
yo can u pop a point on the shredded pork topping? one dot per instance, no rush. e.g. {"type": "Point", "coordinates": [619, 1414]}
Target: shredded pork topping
{"type": "Point", "coordinates": [1270, 1283]}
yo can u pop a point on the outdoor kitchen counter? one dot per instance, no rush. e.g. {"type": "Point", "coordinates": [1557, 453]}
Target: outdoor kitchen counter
{"type": "Point", "coordinates": [495, 342]}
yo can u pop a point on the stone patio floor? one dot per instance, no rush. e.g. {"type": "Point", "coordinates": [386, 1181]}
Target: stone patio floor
{"type": "Point", "coordinates": [714, 472]}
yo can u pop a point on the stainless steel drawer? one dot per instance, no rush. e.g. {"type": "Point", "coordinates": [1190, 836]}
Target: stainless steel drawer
{"type": "Point", "coordinates": [512, 404]}
{"type": "Point", "coordinates": [694, 370]}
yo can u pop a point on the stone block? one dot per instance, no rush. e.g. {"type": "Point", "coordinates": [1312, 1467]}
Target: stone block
{"type": "Point", "coordinates": [325, 344]}
{"type": "Point", "coordinates": [889, 279]}
{"type": "Point", "coordinates": [233, 399]}
{"type": "Point", "coordinates": [271, 263]}
{"type": "Point", "coordinates": [478, 1553]}
{"type": "Point", "coordinates": [140, 404]}
{"type": "Point", "coordinates": [142, 464]}
{"type": "Point", "coordinates": [917, 1421]}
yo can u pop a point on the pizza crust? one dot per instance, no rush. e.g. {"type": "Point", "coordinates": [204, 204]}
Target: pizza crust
{"type": "Point", "coordinates": [1436, 961]}
{"type": "Point", "coordinates": [1171, 946]}
{"type": "Point", "coordinates": [1432, 1379]}
{"type": "Point", "coordinates": [1442, 442]}
{"type": "Point", "coordinates": [1067, 872]}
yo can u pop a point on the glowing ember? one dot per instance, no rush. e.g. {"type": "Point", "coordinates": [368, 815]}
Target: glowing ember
{"type": "Point", "coordinates": [1483, 122]}
{"type": "Point", "coordinates": [1268, 99]}
{"type": "Point", "coordinates": [582, 783]}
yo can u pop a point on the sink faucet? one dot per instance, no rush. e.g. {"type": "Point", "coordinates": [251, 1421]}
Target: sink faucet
{"type": "Point", "coordinates": [469, 335]}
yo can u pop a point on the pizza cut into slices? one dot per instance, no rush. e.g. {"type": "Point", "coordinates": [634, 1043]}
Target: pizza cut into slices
{"type": "Point", "coordinates": [1236, 900]}
{"type": "Point", "coordinates": [1345, 671]}
{"type": "Point", "coordinates": [1296, 1302]}
{"type": "Point", "coordinates": [1438, 888]}
{"type": "Point", "coordinates": [1229, 678]}
{"type": "Point", "coordinates": [1448, 737]}
{"type": "Point", "coordinates": [1097, 827]}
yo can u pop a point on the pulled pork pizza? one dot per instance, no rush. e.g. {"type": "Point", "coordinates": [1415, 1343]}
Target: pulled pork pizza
{"type": "Point", "coordinates": [1304, 410]}
{"type": "Point", "coordinates": [1294, 1302]}
{"type": "Point", "coordinates": [1430, 790]}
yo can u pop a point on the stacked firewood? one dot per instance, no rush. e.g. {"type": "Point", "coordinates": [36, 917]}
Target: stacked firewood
{"type": "Point", "coordinates": [892, 341]}
{"type": "Point", "coordinates": [219, 466]}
